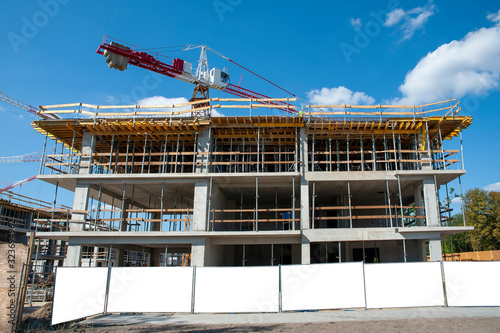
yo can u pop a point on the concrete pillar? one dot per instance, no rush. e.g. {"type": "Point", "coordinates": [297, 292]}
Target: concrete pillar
{"type": "Point", "coordinates": [304, 204]}
{"type": "Point", "coordinates": [418, 203]}
{"type": "Point", "coordinates": [422, 250]}
{"type": "Point", "coordinates": [74, 254]}
{"type": "Point", "coordinates": [435, 251]}
{"type": "Point", "coordinates": [88, 146]}
{"type": "Point", "coordinates": [303, 151]}
{"type": "Point", "coordinates": [203, 151]}
{"type": "Point", "coordinates": [198, 253]}
{"type": "Point", "coordinates": [200, 205]}
{"type": "Point", "coordinates": [431, 205]}
{"type": "Point", "coordinates": [305, 251]}
{"type": "Point", "coordinates": [80, 203]}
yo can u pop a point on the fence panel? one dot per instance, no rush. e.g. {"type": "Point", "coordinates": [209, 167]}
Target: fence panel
{"type": "Point", "coordinates": [79, 292]}
{"type": "Point", "coordinates": [237, 289]}
{"type": "Point", "coordinates": [322, 286]}
{"type": "Point", "coordinates": [150, 289]}
{"type": "Point", "coordinates": [472, 283]}
{"type": "Point", "coordinates": [398, 285]}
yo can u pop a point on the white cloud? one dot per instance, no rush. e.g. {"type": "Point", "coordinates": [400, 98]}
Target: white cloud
{"type": "Point", "coordinates": [110, 99]}
{"type": "Point", "coordinates": [356, 23]}
{"type": "Point", "coordinates": [394, 17]}
{"type": "Point", "coordinates": [470, 65]}
{"type": "Point", "coordinates": [495, 187]}
{"type": "Point", "coordinates": [339, 95]}
{"type": "Point", "coordinates": [410, 20]}
{"type": "Point", "coordinates": [160, 100]}
{"type": "Point", "coordinates": [456, 201]}
{"type": "Point", "coordinates": [494, 17]}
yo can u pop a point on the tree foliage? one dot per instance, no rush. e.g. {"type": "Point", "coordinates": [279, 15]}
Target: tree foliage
{"type": "Point", "coordinates": [482, 210]}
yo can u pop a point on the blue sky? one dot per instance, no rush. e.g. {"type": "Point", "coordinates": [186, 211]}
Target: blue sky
{"type": "Point", "coordinates": [357, 52]}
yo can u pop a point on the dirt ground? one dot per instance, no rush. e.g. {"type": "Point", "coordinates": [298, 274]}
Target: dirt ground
{"type": "Point", "coordinates": [39, 321]}
{"type": "Point", "coordinates": [409, 325]}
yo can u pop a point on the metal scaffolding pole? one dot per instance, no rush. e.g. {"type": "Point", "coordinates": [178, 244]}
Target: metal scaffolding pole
{"type": "Point", "coordinates": [374, 155]}
{"type": "Point", "coordinates": [313, 204]}
{"type": "Point", "coordinates": [293, 203]}
{"type": "Point", "coordinates": [144, 153]}
{"type": "Point", "coordinates": [111, 153]}
{"type": "Point", "coordinates": [350, 206]}
{"type": "Point", "coordinates": [389, 201]}
{"type": "Point", "coordinates": [256, 203]}
{"type": "Point", "coordinates": [401, 202]}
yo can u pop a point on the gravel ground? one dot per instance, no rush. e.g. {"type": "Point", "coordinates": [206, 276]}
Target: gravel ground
{"type": "Point", "coordinates": [408, 325]}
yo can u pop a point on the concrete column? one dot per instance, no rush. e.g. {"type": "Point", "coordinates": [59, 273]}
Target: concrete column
{"type": "Point", "coordinates": [305, 251]}
{"type": "Point", "coordinates": [431, 205]}
{"type": "Point", "coordinates": [303, 151]}
{"type": "Point", "coordinates": [198, 253]}
{"type": "Point", "coordinates": [80, 203]}
{"type": "Point", "coordinates": [88, 146]}
{"type": "Point", "coordinates": [74, 254]}
{"type": "Point", "coordinates": [435, 251]}
{"type": "Point", "coordinates": [422, 250]}
{"type": "Point", "coordinates": [200, 205]}
{"type": "Point", "coordinates": [304, 204]}
{"type": "Point", "coordinates": [418, 203]}
{"type": "Point", "coordinates": [203, 151]}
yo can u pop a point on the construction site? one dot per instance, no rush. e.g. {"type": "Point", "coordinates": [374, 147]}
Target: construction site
{"type": "Point", "coordinates": [242, 181]}
{"type": "Point", "coordinates": [173, 185]}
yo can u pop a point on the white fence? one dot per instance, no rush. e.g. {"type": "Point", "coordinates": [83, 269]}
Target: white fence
{"type": "Point", "coordinates": [81, 292]}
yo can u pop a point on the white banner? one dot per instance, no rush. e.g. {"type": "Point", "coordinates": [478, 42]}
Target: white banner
{"type": "Point", "coordinates": [322, 286]}
{"type": "Point", "coordinates": [472, 283]}
{"type": "Point", "coordinates": [79, 292]}
{"type": "Point", "coordinates": [150, 289]}
{"type": "Point", "coordinates": [237, 289]}
{"type": "Point", "coordinates": [404, 285]}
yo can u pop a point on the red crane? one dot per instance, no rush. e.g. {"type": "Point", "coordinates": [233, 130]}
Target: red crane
{"type": "Point", "coordinates": [118, 56]}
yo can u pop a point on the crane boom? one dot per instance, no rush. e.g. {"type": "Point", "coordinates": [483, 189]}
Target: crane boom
{"type": "Point", "coordinates": [18, 183]}
{"type": "Point", "coordinates": [119, 56]}
{"type": "Point", "coordinates": [26, 107]}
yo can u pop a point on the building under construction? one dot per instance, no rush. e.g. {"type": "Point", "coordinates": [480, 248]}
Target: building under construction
{"type": "Point", "coordinates": [331, 184]}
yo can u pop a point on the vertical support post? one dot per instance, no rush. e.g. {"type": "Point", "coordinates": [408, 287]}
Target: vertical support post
{"type": "Point", "coordinates": [313, 204]}
{"type": "Point", "coordinates": [42, 162]}
{"type": "Point", "coordinates": [401, 202]}
{"type": "Point", "coordinates": [404, 250]}
{"type": "Point", "coordinates": [389, 201]}
{"type": "Point", "coordinates": [348, 158]}
{"type": "Point", "coordinates": [461, 148]}
{"type": "Point", "coordinates": [144, 153]}
{"type": "Point", "coordinates": [244, 255]}
{"type": "Point", "coordinates": [374, 155]}
{"type": "Point", "coordinates": [350, 206]}
{"type": "Point", "coordinates": [293, 203]}
{"type": "Point", "coordinates": [462, 200]}
{"type": "Point", "coordinates": [394, 147]}
{"type": "Point", "coordinates": [256, 203]}
{"type": "Point", "coordinates": [111, 153]}
{"type": "Point", "coordinates": [126, 156]}
{"type": "Point", "coordinates": [362, 152]}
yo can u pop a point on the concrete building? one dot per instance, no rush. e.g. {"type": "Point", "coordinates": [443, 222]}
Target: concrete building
{"type": "Point", "coordinates": [337, 186]}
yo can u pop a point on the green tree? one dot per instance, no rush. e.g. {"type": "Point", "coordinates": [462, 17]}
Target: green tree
{"type": "Point", "coordinates": [482, 210]}
{"type": "Point", "coordinates": [460, 242]}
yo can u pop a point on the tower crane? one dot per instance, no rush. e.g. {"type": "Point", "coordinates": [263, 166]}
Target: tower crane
{"type": "Point", "coordinates": [119, 55]}
{"type": "Point", "coordinates": [18, 183]}
{"type": "Point", "coordinates": [26, 107]}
